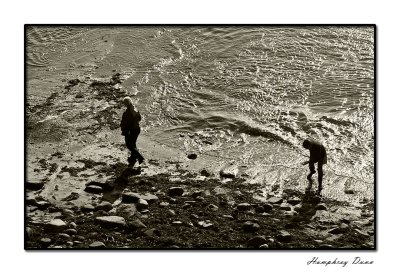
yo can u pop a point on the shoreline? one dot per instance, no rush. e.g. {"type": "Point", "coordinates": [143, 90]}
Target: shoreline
{"type": "Point", "coordinates": [77, 171]}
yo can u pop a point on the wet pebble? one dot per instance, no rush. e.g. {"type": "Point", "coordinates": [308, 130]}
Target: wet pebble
{"type": "Point", "coordinates": [97, 245]}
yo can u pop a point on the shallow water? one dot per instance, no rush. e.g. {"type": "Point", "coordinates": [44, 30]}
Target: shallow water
{"type": "Point", "coordinates": [246, 93]}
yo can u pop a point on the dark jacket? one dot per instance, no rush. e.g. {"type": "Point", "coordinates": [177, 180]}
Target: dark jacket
{"type": "Point", "coordinates": [317, 152]}
{"type": "Point", "coordinates": [130, 122]}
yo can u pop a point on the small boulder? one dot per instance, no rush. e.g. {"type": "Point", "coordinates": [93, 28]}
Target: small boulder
{"type": "Point", "coordinates": [111, 221]}
{"type": "Point", "coordinates": [64, 236]}
{"type": "Point", "coordinates": [136, 224]}
{"type": "Point", "coordinates": [130, 197]}
{"type": "Point", "coordinates": [205, 173]}
{"type": "Point", "coordinates": [349, 191]}
{"type": "Point", "coordinates": [126, 210]}
{"type": "Point", "coordinates": [192, 156]}
{"type": "Point", "coordinates": [175, 191]}
{"type": "Point", "coordinates": [55, 226]}
{"type": "Point", "coordinates": [96, 245]}
{"type": "Point", "coordinates": [285, 207]}
{"type": "Point", "coordinates": [34, 185]}
{"type": "Point", "coordinates": [71, 231]}
{"type": "Point", "coordinates": [257, 241]}
{"type": "Point", "coordinates": [260, 209]}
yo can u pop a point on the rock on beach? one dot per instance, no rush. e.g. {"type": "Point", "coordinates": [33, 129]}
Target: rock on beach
{"type": "Point", "coordinates": [111, 221]}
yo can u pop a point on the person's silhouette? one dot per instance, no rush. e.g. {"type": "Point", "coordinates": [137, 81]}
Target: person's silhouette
{"type": "Point", "coordinates": [317, 155]}
{"type": "Point", "coordinates": [130, 129]}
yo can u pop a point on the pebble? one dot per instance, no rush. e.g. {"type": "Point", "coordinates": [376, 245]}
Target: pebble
{"type": "Point", "coordinates": [177, 223]}
{"type": "Point", "coordinates": [230, 217]}
{"type": "Point", "coordinates": [194, 216]}
{"type": "Point", "coordinates": [175, 191]}
{"type": "Point", "coordinates": [111, 221]}
{"type": "Point", "coordinates": [171, 212]}
{"type": "Point", "coordinates": [257, 241]}
{"type": "Point", "coordinates": [349, 191]}
{"type": "Point", "coordinates": [106, 206]}
{"type": "Point", "coordinates": [196, 193]}
{"type": "Point", "coordinates": [79, 238]}
{"type": "Point", "coordinates": [205, 224]}
{"type": "Point", "coordinates": [192, 156]}
{"type": "Point", "coordinates": [64, 236]}
{"type": "Point", "coordinates": [42, 205]}
{"type": "Point", "coordinates": [164, 204]}
{"type": "Point", "coordinates": [284, 236]}
{"type": "Point", "coordinates": [88, 208]}
{"type": "Point", "coordinates": [71, 231]}
{"type": "Point", "coordinates": [212, 207]}
{"type": "Point", "coordinates": [243, 206]}
{"type": "Point", "coordinates": [336, 230]}
{"type": "Point", "coordinates": [250, 226]}
{"type": "Point", "coordinates": [45, 242]}
{"type": "Point", "coordinates": [126, 210]}
{"type": "Point", "coordinates": [361, 232]}
{"type": "Point", "coordinates": [275, 200]}
{"type": "Point", "coordinates": [130, 197]}
{"type": "Point", "coordinates": [55, 225]}
{"type": "Point", "coordinates": [97, 245]}
{"type": "Point", "coordinates": [264, 246]}
{"type": "Point", "coordinates": [205, 172]}
{"type": "Point", "coordinates": [142, 205]}
{"type": "Point", "coordinates": [94, 189]}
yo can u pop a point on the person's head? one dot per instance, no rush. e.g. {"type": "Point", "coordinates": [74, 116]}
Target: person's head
{"type": "Point", "coordinates": [128, 103]}
{"type": "Point", "coordinates": [306, 144]}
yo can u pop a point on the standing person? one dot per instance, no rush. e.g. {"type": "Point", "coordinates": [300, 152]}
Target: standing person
{"type": "Point", "coordinates": [317, 155]}
{"type": "Point", "coordinates": [130, 129]}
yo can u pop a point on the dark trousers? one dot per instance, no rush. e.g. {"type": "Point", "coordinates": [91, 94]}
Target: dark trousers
{"type": "Point", "coordinates": [320, 172]}
{"type": "Point", "coordinates": [130, 141]}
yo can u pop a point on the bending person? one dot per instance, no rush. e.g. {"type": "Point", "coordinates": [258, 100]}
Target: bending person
{"type": "Point", "coordinates": [317, 155]}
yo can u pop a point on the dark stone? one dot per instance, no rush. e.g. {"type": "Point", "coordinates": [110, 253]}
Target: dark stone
{"type": "Point", "coordinates": [336, 230]}
{"type": "Point", "coordinates": [96, 245]}
{"type": "Point", "coordinates": [34, 185]}
{"type": "Point", "coordinates": [94, 189]}
{"type": "Point", "coordinates": [196, 194]}
{"type": "Point", "coordinates": [260, 209]}
{"type": "Point", "coordinates": [175, 191]}
{"type": "Point", "coordinates": [205, 173]}
{"type": "Point", "coordinates": [243, 206]}
{"type": "Point", "coordinates": [106, 206]}
{"type": "Point", "coordinates": [72, 196]}
{"type": "Point", "coordinates": [29, 232]}
{"type": "Point", "coordinates": [285, 207]}
{"type": "Point", "coordinates": [192, 156]}
{"type": "Point", "coordinates": [267, 207]}
{"type": "Point", "coordinates": [349, 191]}
{"type": "Point", "coordinates": [213, 207]}
{"type": "Point", "coordinates": [107, 186]}
{"type": "Point", "coordinates": [257, 241]}
{"type": "Point", "coordinates": [250, 226]}
{"type": "Point", "coordinates": [177, 223]}
{"type": "Point", "coordinates": [284, 236]}
{"type": "Point", "coordinates": [130, 197]}
{"type": "Point", "coordinates": [275, 200]}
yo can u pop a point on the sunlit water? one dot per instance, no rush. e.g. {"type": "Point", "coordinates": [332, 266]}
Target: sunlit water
{"type": "Point", "coordinates": [236, 90]}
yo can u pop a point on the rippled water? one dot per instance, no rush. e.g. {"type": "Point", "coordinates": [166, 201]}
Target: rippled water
{"type": "Point", "coordinates": [236, 89]}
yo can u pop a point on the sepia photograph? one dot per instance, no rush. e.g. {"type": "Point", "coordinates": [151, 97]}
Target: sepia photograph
{"type": "Point", "coordinates": [200, 137]}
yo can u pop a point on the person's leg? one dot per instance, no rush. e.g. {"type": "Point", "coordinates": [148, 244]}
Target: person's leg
{"type": "Point", "coordinates": [129, 140]}
{"type": "Point", "coordinates": [136, 151]}
{"type": "Point", "coordinates": [320, 175]}
{"type": "Point", "coordinates": [312, 170]}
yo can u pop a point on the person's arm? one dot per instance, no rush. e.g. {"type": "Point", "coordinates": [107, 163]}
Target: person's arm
{"type": "Point", "coordinates": [124, 122]}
